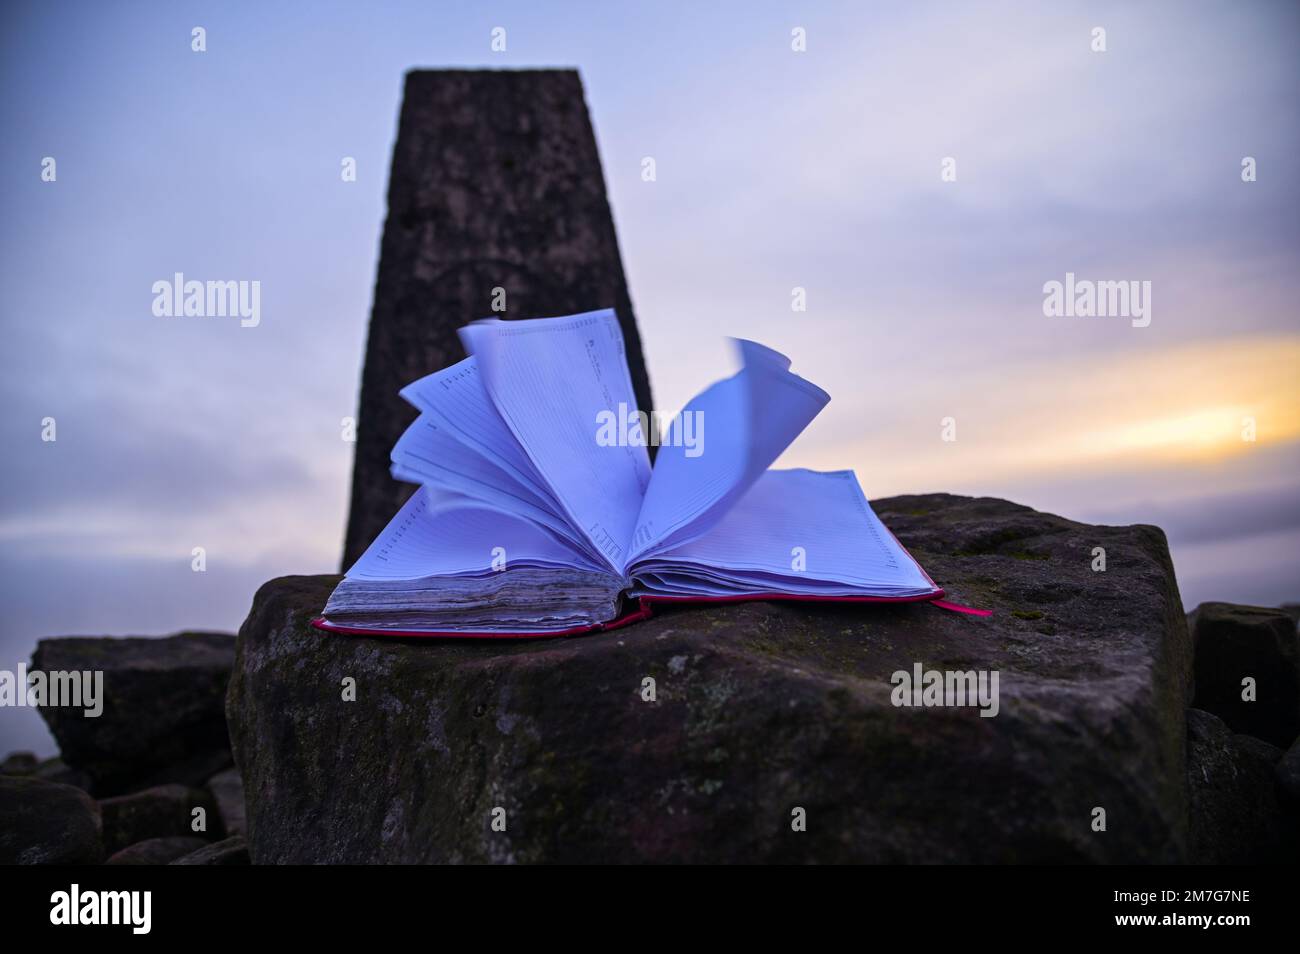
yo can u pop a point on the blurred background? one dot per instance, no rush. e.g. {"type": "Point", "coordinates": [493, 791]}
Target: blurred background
{"type": "Point", "coordinates": [774, 170]}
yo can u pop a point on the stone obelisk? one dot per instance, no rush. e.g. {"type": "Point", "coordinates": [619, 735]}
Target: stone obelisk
{"type": "Point", "coordinates": [495, 196]}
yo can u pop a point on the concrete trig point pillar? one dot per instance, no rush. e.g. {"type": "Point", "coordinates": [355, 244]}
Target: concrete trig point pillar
{"type": "Point", "coordinates": [495, 184]}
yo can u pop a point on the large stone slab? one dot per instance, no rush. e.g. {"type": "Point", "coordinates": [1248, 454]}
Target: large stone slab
{"type": "Point", "coordinates": [1248, 669]}
{"type": "Point", "coordinates": [46, 823]}
{"type": "Point", "coordinates": [163, 811]}
{"type": "Point", "coordinates": [157, 851]}
{"type": "Point", "coordinates": [496, 183]}
{"type": "Point", "coordinates": [1234, 810]}
{"type": "Point", "coordinates": [163, 716]}
{"type": "Point", "coordinates": [760, 709]}
{"type": "Point", "coordinates": [232, 851]}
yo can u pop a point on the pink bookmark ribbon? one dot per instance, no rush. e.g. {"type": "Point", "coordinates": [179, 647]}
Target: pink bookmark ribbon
{"type": "Point", "coordinates": [958, 608]}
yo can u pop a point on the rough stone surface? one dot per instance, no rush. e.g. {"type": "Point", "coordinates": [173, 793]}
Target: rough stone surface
{"type": "Point", "coordinates": [45, 823]}
{"type": "Point", "coordinates": [761, 708]}
{"type": "Point", "coordinates": [163, 719]}
{"type": "Point", "coordinates": [495, 183]}
{"type": "Point", "coordinates": [1234, 642]}
{"type": "Point", "coordinates": [157, 851]}
{"type": "Point", "coordinates": [163, 811]}
{"type": "Point", "coordinates": [1287, 772]}
{"type": "Point", "coordinates": [228, 791]}
{"type": "Point", "coordinates": [232, 851]}
{"type": "Point", "coordinates": [1235, 817]}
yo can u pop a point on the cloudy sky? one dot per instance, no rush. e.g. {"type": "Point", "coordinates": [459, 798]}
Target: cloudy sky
{"type": "Point", "coordinates": [775, 169]}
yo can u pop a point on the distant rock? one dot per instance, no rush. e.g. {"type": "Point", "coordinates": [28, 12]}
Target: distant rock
{"type": "Point", "coordinates": [45, 823]}
{"type": "Point", "coordinates": [1233, 643]}
{"type": "Point", "coordinates": [1235, 815]}
{"type": "Point", "coordinates": [57, 770]}
{"type": "Point", "coordinates": [157, 851]}
{"type": "Point", "coordinates": [228, 791]}
{"type": "Point", "coordinates": [764, 713]}
{"type": "Point", "coordinates": [19, 763]}
{"type": "Point", "coordinates": [163, 718]}
{"type": "Point", "coordinates": [232, 851]}
{"type": "Point", "coordinates": [163, 811]}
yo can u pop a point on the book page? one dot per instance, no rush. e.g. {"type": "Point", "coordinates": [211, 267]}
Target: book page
{"type": "Point", "coordinates": [551, 379]}
{"type": "Point", "coordinates": [429, 454]}
{"type": "Point", "coordinates": [795, 531]}
{"type": "Point", "coordinates": [440, 534]}
{"type": "Point", "coordinates": [431, 450]}
{"type": "Point", "coordinates": [745, 422]}
{"type": "Point", "coordinates": [456, 400]}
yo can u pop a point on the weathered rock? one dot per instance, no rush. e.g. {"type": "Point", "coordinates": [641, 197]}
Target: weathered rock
{"type": "Point", "coordinates": [232, 851]}
{"type": "Point", "coordinates": [1235, 817]}
{"type": "Point", "coordinates": [228, 791]}
{"type": "Point", "coordinates": [1287, 772]}
{"type": "Point", "coordinates": [157, 851]}
{"type": "Point", "coordinates": [19, 763]}
{"type": "Point", "coordinates": [495, 184]}
{"type": "Point", "coordinates": [163, 811]}
{"type": "Point", "coordinates": [45, 823]}
{"type": "Point", "coordinates": [57, 770]}
{"type": "Point", "coordinates": [761, 708]}
{"type": "Point", "coordinates": [1232, 643]}
{"type": "Point", "coordinates": [162, 718]}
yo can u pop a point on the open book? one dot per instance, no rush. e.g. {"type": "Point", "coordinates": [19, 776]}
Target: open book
{"type": "Point", "coordinates": [538, 512]}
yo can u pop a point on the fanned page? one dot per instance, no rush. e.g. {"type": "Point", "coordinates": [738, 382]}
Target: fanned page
{"type": "Point", "coordinates": [720, 444]}
{"type": "Point", "coordinates": [796, 532]}
{"type": "Point", "coordinates": [488, 464]}
{"type": "Point", "coordinates": [442, 534]}
{"type": "Point", "coordinates": [446, 563]}
{"type": "Point", "coordinates": [552, 380]}
{"type": "Point", "coordinates": [428, 454]}
{"type": "Point", "coordinates": [456, 400]}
